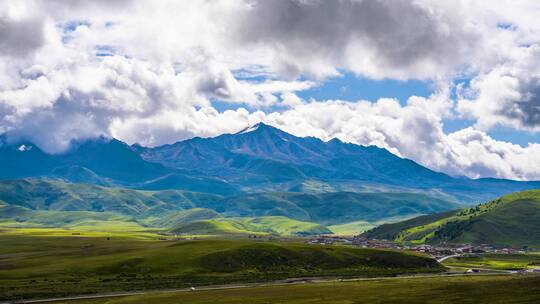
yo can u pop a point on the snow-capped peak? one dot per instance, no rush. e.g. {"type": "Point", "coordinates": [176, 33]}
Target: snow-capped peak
{"type": "Point", "coordinates": [23, 148]}
{"type": "Point", "coordinates": [250, 129]}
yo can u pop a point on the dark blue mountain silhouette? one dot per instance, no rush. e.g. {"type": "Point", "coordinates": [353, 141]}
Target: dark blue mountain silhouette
{"type": "Point", "coordinates": [257, 159]}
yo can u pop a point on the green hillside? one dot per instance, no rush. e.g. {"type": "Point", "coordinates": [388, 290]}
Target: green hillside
{"type": "Point", "coordinates": [196, 221]}
{"type": "Point", "coordinates": [51, 265]}
{"type": "Point", "coordinates": [352, 228]}
{"type": "Point", "coordinates": [213, 227]}
{"type": "Point", "coordinates": [510, 220]}
{"type": "Point", "coordinates": [184, 217]}
{"type": "Point", "coordinates": [278, 225]}
{"type": "Point", "coordinates": [16, 216]}
{"type": "Point", "coordinates": [334, 208]}
{"type": "Point", "coordinates": [391, 230]}
{"type": "Point", "coordinates": [172, 208]}
{"type": "Point", "coordinates": [56, 195]}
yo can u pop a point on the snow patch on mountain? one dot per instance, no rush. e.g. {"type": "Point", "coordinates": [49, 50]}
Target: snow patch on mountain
{"type": "Point", "coordinates": [250, 129]}
{"type": "Point", "coordinates": [23, 148]}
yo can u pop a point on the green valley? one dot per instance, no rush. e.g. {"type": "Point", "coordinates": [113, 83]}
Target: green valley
{"type": "Point", "coordinates": [57, 203]}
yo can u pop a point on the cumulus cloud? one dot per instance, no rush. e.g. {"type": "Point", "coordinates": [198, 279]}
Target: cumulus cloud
{"type": "Point", "coordinates": [151, 72]}
{"type": "Point", "coordinates": [414, 131]}
{"type": "Point", "coordinates": [508, 95]}
{"type": "Point", "coordinates": [397, 39]}
{"type": "Point", "coordinates": [103, 98]}
{"type": "Point", "coordinates": [476, 154]}
{"type": "Point", "coordinates": [20, 33]}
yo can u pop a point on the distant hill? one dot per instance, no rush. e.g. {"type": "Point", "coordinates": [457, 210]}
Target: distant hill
{"type": "Point", "coordinates": [20, 217]}
{"type": "Point", "coordinates": [277, 225]}
{"type": "Point", "coordinates": [333, 208]}
{"type": "Point", "coordinates": [511, 220]}
{"type": "Point", "coordinates": [40, 201]}
{"type": "Point", "coordinates": [56, 195]}
{"type": "Point", "coordinates": [184, 217]}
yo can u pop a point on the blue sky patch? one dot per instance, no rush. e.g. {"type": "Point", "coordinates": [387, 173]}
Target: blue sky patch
{"type": "Point", "coordinates": [352, 88]}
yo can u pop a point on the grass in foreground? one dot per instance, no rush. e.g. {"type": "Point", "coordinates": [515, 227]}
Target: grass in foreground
{"type": "Point", "coordinates": [52, 262]}
{"type": "Point", "coordinates": [470, 289]}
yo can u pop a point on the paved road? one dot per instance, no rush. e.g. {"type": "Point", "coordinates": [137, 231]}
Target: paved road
{"type": "Point", "coordinates": [293, 281]}
{"type": "Point", "coordinates": [481, 269]}
{"type": "Point", "coordinates": [447, 257]}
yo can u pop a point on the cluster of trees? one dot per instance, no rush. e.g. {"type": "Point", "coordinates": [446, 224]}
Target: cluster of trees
{"type": "Point", "coordinates": [452, 230]}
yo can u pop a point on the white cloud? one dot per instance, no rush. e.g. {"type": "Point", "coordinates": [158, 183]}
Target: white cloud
{"type": "Point", "coordinates": [414, 131]}
{"type": "Point", "coordinates": [94, 98]}
{"type": "Point", "coordinates": [21, 30]}
{"type": "Point", "coordinates": [171, 59]}
{"type": "Point", "coordinates": [476, 154]}
{"type": "Point", "coordinates": [508, 95]}
{"type": "Point", "coordinates": [396, 39]}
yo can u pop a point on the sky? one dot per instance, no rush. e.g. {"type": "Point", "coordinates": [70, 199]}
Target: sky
{"type": "Point", "coordinates": [453, 85]}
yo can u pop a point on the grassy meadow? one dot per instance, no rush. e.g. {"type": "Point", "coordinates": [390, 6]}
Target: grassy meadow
{"type": "Point", "coordinates": [497, 261]}
{"type": "Point", "coordinates": [39, 262]}
{"type": "Point", "coordinates": [467, 289]}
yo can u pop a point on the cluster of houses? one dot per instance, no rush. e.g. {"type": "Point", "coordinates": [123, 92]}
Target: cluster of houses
{"type": "Point", "coordinates": [437, 252]}
{"type": "Point", "coordinates": [461, 249]}
{"type": "Point", "coordinates": [330, 240]}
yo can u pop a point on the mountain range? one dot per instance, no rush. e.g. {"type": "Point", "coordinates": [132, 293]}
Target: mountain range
{"type": "Point", "coordinates": [259, 159]}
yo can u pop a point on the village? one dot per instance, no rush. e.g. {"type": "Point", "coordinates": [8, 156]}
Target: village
{"type": "Point", "coordinates": [436, 251]}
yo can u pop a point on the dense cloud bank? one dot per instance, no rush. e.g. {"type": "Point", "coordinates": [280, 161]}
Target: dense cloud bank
{"type": "Point", "coordinates": [155, 72]}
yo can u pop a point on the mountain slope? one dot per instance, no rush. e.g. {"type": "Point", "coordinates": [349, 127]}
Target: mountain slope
{"type": "Point", "coordinates": [265, 152]}
{"type": "Point", "coordinates": [23, 160]}
{"type": "Point", "coordinates": [16, 216]}
{"type": "Point", "coordinates": [510, 220]}
{"type": "Point", "coordinates": [113, 159]}
{"type": "Point", "coordinates": [332, 208]}
{"type": "Point", "coordinates": [102, 161]}
{"type": "Point", "coordinates": [352, 228]}
{"type": "Point", "coordinates": [185, 217]}
{"type": "Point", "coordinates": [263, 158]}
{"type": "Point", "coordinates": [278, 225]}
{"type": "Point", "coordinates": [170, 207]}
{"type": "Point", "coordinates": [391, 231]}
